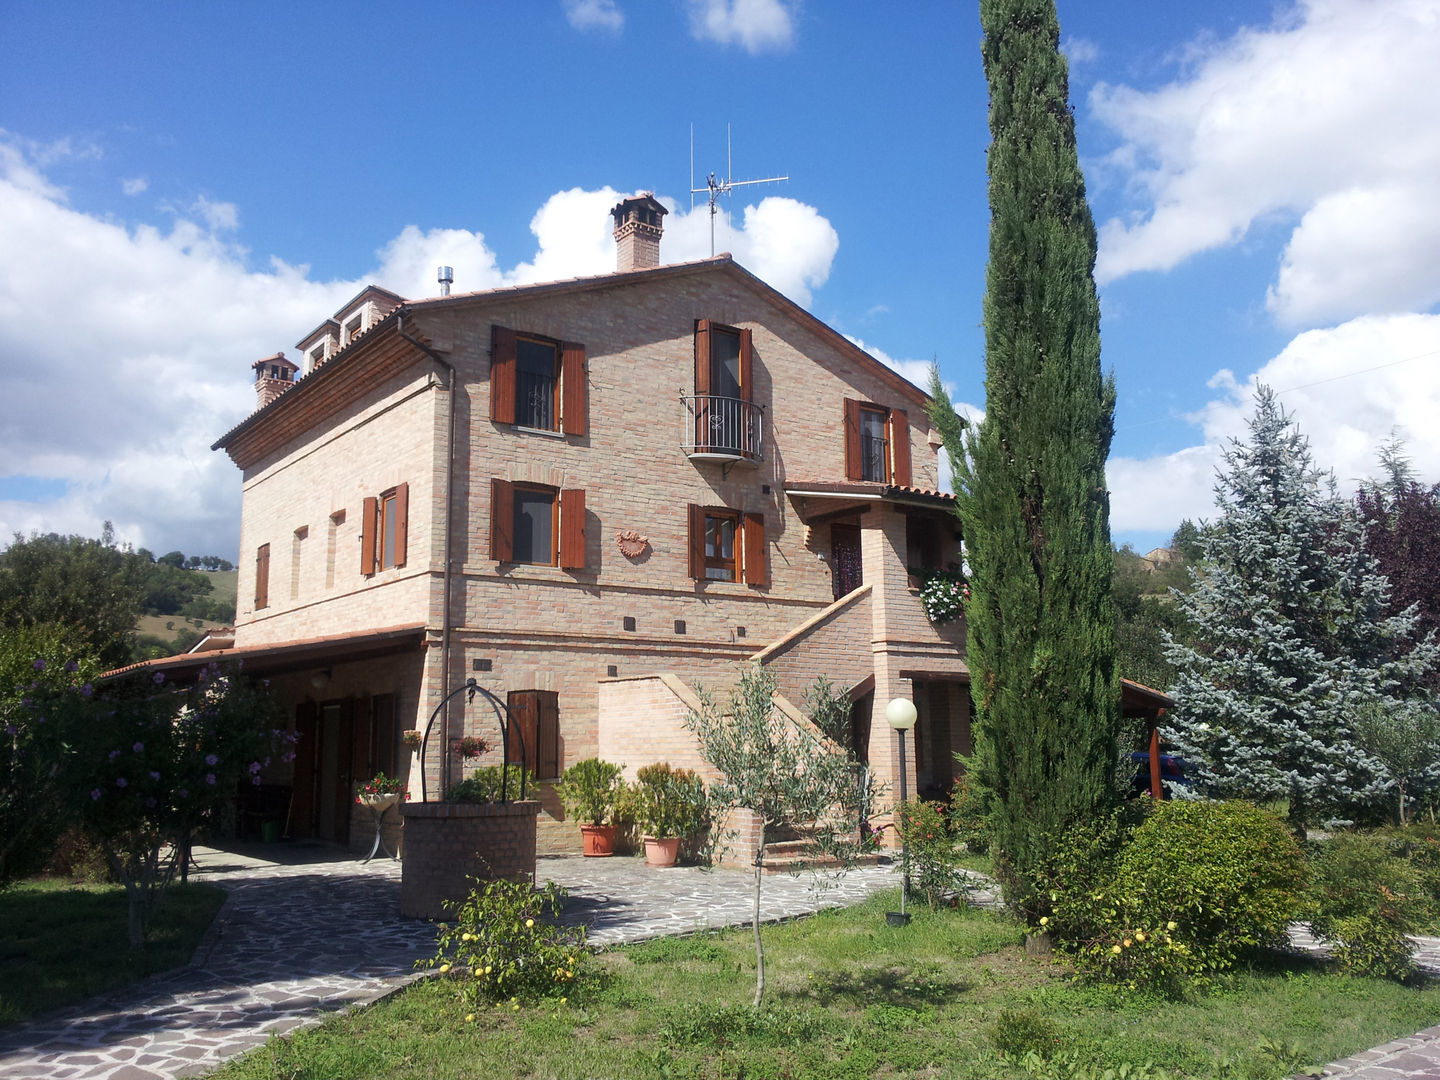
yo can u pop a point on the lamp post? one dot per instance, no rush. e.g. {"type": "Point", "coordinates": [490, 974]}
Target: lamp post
{"type": "Point", "coordinates": [901, 715]}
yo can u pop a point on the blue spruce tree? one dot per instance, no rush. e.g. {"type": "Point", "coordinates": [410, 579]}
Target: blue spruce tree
{"type": "Point", "coordinates": [1293, 642]}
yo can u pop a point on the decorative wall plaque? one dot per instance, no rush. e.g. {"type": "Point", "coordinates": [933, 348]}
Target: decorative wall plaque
{"type": "Point", "coordinates": [632, 544]}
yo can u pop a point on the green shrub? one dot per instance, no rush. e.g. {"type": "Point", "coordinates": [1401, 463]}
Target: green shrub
{"type": "Point", "coordinates": [500, 945]}
{"type": "Point", "coordinates": [669, 801]}
{"type": "Point", "coordinates": [935, 871]}
{"type": "Point", "coordinates": [1366, 903]}
{"type": "Point", "coordinates": [1195, 885]}
{"type": "Point", "coordinates": [1018, 1032]}
{"type": "Point", "coordinates": [484, 785]}
{"type": "Point", "coordinates": [970, 813]}
{"type": "Point", "coordinates": [589, 790]}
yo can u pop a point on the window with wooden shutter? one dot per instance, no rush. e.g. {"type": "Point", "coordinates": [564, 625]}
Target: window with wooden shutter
{"type": "Point", "coordinates": [502, 375]}
{"type": "Point", "coordinates": [534, 732]}
{"type": "Point", "coordinates": [262, 577]}
{"type": "Point", "coordinates": [368, 514]}
{"type": "Point", "coordinates": [502, 520]}
{"type": "Point", "coordinates": [574, 390]}
{"type": "Point", "coordinates": [899, 447]}
{"type": "Point", "coordinates": [756, 569]}
{"type": "Point", "coordinates": [572, 529]}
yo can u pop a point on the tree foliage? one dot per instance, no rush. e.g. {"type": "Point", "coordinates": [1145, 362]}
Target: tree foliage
{"type": "Point", "coordinates": [1294, 638]}
{"type": "Point", "coordinates": [1030, 481]}
{"type": "Point", "coordinates": [782, 773]}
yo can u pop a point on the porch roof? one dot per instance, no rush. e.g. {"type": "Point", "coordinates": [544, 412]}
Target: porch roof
{"type": "Point", "coordinates": [813, 498]}
{"type": "Point", "coordinates": [280, 657]}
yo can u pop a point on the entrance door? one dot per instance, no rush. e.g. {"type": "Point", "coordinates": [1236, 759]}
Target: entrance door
{"type": "Point", "coordinates": [324, 771]}
{"type": "Point", "coordinates": [845, 559]}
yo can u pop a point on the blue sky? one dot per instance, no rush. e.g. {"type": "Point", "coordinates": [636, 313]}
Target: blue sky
{"type": "Point", "coordinates": [187, 188]}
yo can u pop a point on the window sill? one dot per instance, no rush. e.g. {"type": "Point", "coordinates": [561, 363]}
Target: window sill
{"type": "Point", "coordinates": [549, 434]}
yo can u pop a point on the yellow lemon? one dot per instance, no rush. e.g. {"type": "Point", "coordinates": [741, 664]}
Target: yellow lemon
{"type": "Point", "coordinates": [1172, 925]}
{"type": "Point", "coordinates": [1044, 920]}
{"type": "Point", "coordinates": [563, 1000]}
{"type": "Point", "coordinates": [444, 968]}
{"type": "Point", "coordinates": [517, 1008]}
{"type": "Point", "coordinates": [1139, 935]}
{"type": "Point", "coordinates": [529, 923]}
{"type": "Point", "coordinates": [487, 969]}
{"type": "Point", "coordinates": [1128, 943]}
{"type": "Point", "coordinates": [1115, 949]}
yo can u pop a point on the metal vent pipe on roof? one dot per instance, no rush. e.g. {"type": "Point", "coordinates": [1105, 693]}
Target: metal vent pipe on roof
{"type": "Point", "coordinates": [446, 276]}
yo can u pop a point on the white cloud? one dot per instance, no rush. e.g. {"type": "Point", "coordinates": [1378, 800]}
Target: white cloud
{"type": "Point", "coordinates": [1347, 387]}
{"type": "Point", "coordinates": [134, 186]}
{"type": "Point", "coordinates": [755, 25]}
{"type": "Point", "coordinates": [1326, 116]}
{"type": "Point", "coordinates": [1079, 50]}
{"type": "Point", "coordinates": [594, 15]}
{"type": "Point", "coordinates": [128, 349]}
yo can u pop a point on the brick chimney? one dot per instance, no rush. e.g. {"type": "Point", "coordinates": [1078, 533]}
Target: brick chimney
{"type": "Point", "coordinates": [273, 376]}
{"type": "Point", "coordinates": [638, 226]}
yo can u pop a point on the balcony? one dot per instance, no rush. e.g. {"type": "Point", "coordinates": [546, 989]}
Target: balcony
{"type": "Point", "coordinates": [718, 428]}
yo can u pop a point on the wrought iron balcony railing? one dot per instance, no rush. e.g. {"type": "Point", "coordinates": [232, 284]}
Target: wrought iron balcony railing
{"type": "Point", "coordinates": [722, 428]}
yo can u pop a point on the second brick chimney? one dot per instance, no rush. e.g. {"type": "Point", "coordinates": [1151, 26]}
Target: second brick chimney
{"type": "Point", "coordinates": [638, 226]}
{"type": "Point", "coordinates": [273, 376]}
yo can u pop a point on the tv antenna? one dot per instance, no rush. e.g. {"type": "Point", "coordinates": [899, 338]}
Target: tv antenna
{"type": "Point", "coordinates": [715, 188]}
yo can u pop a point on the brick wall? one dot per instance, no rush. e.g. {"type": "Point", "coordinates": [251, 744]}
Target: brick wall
{"type": "Point", "coordinates": [446, 845]}
{"type": "Point", "coordinates": [836, 643]}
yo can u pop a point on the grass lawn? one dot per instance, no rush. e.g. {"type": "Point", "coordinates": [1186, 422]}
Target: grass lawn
{"type": "Point", "coordinates": [61, 943]}
{"type": "Point", "coordinates": [847, 996]}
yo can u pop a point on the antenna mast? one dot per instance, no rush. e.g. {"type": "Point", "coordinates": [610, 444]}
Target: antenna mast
{"type": "Point", "coordinates": [715, 188]}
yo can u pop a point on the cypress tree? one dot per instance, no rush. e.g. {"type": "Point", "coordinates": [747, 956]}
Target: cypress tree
{"type": "Point", "coordinates": [1030, 481]}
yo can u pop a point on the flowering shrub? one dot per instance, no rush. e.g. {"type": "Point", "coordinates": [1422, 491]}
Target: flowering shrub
{"type": "Point", "coordinates": [935, 872]}
{"type": "Point", "coordinates": [380, 784]}
{"type": "Point", "coordinates": [1191, 888]}
{"type": "Point", "coordinates": [1367, 902]}
{"type": "Point", "coordinates": [501, 946]}
{"type": "Point", "coordinates": [944, 593]}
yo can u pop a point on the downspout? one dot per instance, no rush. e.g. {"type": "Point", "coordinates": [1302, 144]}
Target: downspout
{"type": "Point", "coordinates": [447, 578]}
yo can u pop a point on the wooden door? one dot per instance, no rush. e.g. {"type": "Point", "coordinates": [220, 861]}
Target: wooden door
{"type": "Point", "coordinates": [845, 560]}
{"type": "Point", "coordinates": [302, 805]}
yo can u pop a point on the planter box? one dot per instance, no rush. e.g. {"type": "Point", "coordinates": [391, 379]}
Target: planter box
{"type": "Point", "coordinates": [448, 845]}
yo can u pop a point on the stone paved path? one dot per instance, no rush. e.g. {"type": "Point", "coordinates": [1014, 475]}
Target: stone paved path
{"type": "Point", "coordinates": [318, 932]}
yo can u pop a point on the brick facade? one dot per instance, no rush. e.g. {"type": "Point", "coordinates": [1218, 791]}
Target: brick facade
{"type": "Point", "coordinates": [449, 846]}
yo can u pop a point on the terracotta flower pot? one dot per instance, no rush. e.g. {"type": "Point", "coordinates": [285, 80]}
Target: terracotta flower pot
{"type": "Point", "coordinates": [661, 851]}
{"type": "Point", "coordinates": [598, 839]}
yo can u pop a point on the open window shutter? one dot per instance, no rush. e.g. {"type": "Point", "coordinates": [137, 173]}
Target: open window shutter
{"type": "Point", "coordinates": [367, 535]}
{"type": "Point", "coordinates": [852, 440]}
{"type": "Point", "coordinates": [697, 541]}
{"type": "Point", "coordinates": [754, 540]}
{"type": "Point", "coordinates": [547, 754]}
{"type": "Point", "coordinates": [899, 447]}
{"type": "Point", "coordinates": [502, 520]}
{"type": "Point", "coordinates": [747, 365]}
{"type": "Point", "coordinates": [574, 390]}
{"type": "Point", "coordinates": [702, 357]}
{"type": "Point", "coordinates": [502, 375]}
{"type": "Point", "coordinates": [402, 521]}
{"type": "Point", "coordinates": [572, 529]}
{"type": "Point", "coordinates": [262, 577]}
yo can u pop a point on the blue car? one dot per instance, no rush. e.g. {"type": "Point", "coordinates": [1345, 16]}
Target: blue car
{"type": "Point", "coordinates": [1172, 770]}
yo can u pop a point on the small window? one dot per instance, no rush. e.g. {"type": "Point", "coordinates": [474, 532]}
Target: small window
{"type": "Point", "coordinates": [262, 577]}
{"type": "Point", "coordinates": [535, 526]}
{"type": "Point", "coordinates": [727, 545]}
{"type": "Point", "coordinates": [353, 328]}
{"type": "Point", "coordinates": [537, 383]}
{"type": "Point", "coordinates": [384, 526]}
{"type": "Point", "coordinates": [534, 731]}
{"type": "Point", "coordinates": [877, 443]}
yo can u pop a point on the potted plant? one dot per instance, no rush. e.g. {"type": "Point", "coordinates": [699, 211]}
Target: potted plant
{"type": "Point", "coordinates": [589, 790]}
{"type": "Point", "coordinates": [380, 792]}
{"type": "Point", "coordinates": [671, 804]}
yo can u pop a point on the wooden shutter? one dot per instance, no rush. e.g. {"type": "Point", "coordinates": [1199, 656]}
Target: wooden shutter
{"type": "Point", "coordinates": [547, 753]}
{"type": "Point", "coordinates": [574, 390]}
{"type": "Point", "coordinates": [853, 469]}
{"type": "Point", "coordinates": [382, 711]}
{"type": "Point", "coordinates": [502, 375]}
{"type": "Point", "coordinates": [697, 542]}
{"type": "Point", "coordinates": [899, 447]}
{"type": "Point", "coordinates": [753, 531]}
{"type": "Point", "coordinates": [747, 365]}
{"type": "Point", "coordinates": [521, 736]}
{"type": "Point", "coordinates": [369, 514]}
{"type": "Point", "coordinates": [702, 357]}
{"type": "Point", "coordinates": [262, 577]}
{"type": "Point", "coordinates": [502, 520]}
{"type": "Point", "coordinates": [572, 529]}
{"type": "Point", "coordinates": [402, 521]}
{"type": "Point", "coordinates": [362, 743]}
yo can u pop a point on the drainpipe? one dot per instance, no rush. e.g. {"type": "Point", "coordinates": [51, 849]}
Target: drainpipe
{"type": "Point", "coordinates": [452, 387]}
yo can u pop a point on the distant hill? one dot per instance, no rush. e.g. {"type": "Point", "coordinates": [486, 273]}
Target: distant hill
{"type": "Point", "coordinates": [207, 604]}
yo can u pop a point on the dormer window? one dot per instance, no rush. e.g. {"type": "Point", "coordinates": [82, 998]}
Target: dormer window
{"type": "Point", "coordinates": [354, 327]}
{"type": "Point", "coordinates": [318, 355]}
